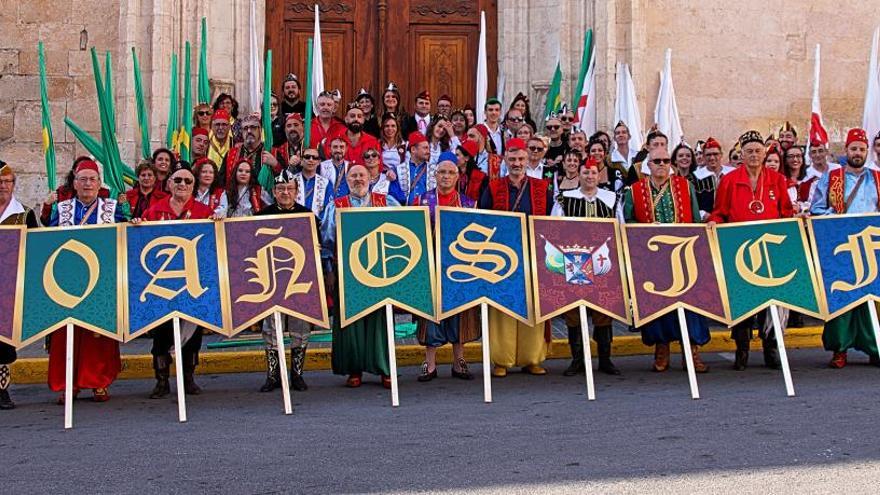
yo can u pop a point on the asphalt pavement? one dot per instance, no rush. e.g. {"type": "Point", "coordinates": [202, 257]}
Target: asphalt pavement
{"type": "Point", "coordinates": [540, 435]}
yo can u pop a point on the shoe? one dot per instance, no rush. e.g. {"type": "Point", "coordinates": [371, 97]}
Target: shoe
{"type": "Point", "coordinates": [603, 338]}
{"type": "Point", "coordinates": [60, 400]}
{"type": "Point", "coordinates": [499, 372]}
{"type": "Point", "coordinates": [661, 358]}
{"type": "Point", "coordinates": [298, 356]}
{"type": "Point", "coordinates": [100, 395]}
{"type": "Point", "coordinates": [771, 355]}
{"type": "Point", "coordinates": [190, 360]}
{"type": "Point", "coordinates": [838, 360]}
{"type": "Point", "coordinates": [5, 400]}
{"type": "Point", "coordinates": [353, 381]}
{"type": "Point", "coordinates": [699, 365]}
{"type": "Point", "coordinates": [273, 371]}
{"type": "Point", "coordinates": [462, 373]}
{"type": "Point", "coordinates": [162, 368]}
{"type": "Point", "coordinates": [534, 369]}
{"type": "Point", "coordinates": [577, 366]}
{"type": "Point", "coordinates": [386, 381]}
{"type": "Point", "coordinates": [426, 375]}
{"type": "Point", "coordinates": [741, 359]}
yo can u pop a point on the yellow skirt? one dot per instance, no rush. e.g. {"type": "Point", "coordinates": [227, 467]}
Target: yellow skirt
{"type": "Point", "coordinates": [513, 343]}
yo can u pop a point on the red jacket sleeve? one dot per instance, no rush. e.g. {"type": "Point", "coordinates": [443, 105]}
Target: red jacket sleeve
{"type": "Point", "coordinates": [721, 211]}
{"type": "Point", "coordinates": [786, 210]}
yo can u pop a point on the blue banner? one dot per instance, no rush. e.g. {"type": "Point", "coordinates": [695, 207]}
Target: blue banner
{"type": "Point", "coordinates": [172, 270]}
{"type": "Point", "coordinates": [847, 256]}
{"type": "Point", "coordinates": [483, 258]}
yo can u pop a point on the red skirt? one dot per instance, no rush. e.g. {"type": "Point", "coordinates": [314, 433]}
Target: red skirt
{"type": "Point", "coordinates": [96, 361]}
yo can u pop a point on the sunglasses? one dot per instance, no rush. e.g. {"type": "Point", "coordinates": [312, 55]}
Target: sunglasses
{"type": "Point", "coordinates": [204, 113]}
{"type": "Point", "coordinates": [536, 149]}
{"type": "Point", "coordinates": [182, 180]}
{"type": "Point", "coordinates": [371, 154]}
{"type": "Point", "coordinates": [553, 127]}
{"type": "Point", "coordinates": [566, 119]}
{"type": "Point", "coordinates": [515, 119]}
{"type": "Point", "coordinates": [311, 157]}
{"type": "Point", "coordinates": [661, 161]}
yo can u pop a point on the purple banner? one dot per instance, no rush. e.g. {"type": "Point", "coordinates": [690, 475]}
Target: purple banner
{"type": "Point", "coordinates": [577, 261]}
{"type": "Point", "coordinates": [10, 255]}
{"type": "Point", "coordinates": [671, 266]}
{"type": "Point", "coordinates": [273, 264]}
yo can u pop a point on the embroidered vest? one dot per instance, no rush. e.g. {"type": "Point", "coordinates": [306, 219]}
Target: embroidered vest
{"type": "Point", "coordinates": [376, 199]}
{"type": "Point", "coordinates": [67, 212]}
{"type": "Point", "coordinates": [537, 195]}
{"type": "Point", "coordinates": [643, 202]}
{"type": "Point", "coordinates": [837, 188]}
{"type": "Point", "coordinates": [474, 182]}
{"type": "Point", "coordinates": [318, 193]}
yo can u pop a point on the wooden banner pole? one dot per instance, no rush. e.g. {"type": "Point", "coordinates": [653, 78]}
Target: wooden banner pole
{"type": "Point", "coordinates": [487, 355]}
{"type": "Point", "coordinates": [282, 364]}
{"type": "Point", "coordinates": [783, 356]}
{"type": "Point", "coordinates": [392, 354]}
{"type": "Point", "coordinates": [688, 355]}
{"type": "Point", "coordinates": [178, 369]}
{"type": "Point", "coordinates": [68, 379]}
{"type": "Point", "coordinates": [588, 355]}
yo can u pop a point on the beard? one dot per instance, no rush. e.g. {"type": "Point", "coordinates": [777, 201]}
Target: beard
{"type": "Point", "coordinates": [354, 127]}
{"type": "Point", "coordinates": [855, 161]}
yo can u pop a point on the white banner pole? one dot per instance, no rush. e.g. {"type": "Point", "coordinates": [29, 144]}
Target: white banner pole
{"type": "Point", "coordinates": [282, 364]}
{"type": "Point", "coordinates": [487, 355]}
{"type": "Point", "coordinates": [783, 356]}
{"type": "Point", "coordinates": [68, 379]}
{"type": "Point", "coordinates": [178, 369]}
{"type": "Point", "coordinates": [588, 355]}
{"type": "Point", "coordinates": [392, 354]}
{"type": "Point", "coordinates": [688, 356]}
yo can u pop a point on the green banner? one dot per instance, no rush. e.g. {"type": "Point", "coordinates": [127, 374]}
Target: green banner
{"type": "Point", "coordinates": [72, 275]}
{"type": "Point", "coordinates": [766, 263]}
{"type": "Point", "coordinates": [385, 256]}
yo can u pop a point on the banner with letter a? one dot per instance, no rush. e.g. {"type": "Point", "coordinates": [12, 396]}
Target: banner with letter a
{"type": "Point", "coordinates": [272, 263]}
{"type": "Point", "coordinates": [483, 258]}
{"type": "Point", "coordinates": [72, 275]}
{"type": "Point", "coordinates": [172, 271]}
{"type": "Point", "coordinates": [385, 257]}
{"type": "Point", "coordinates": [577, 261]}
{"type": "Point", "coordinates": [846, 252]}
{"type": "Point", "coordinates": [766, 263]}
{"type": "Point", "coordinates": [670, 267]}
{"type": "Point", "coordinates": [11, 265]}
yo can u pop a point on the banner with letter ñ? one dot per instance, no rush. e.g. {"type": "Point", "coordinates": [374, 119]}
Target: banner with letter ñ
{"type": "Point", "coordinates": [577, 261]}
{"type": "Point", "coordinates": [72, 275]}
{"type": "Point", "coordinates": [766, 263]}
{"type": "Point", "coordinates": [483, 258]}
{"type": "Point", "coordinates": [671, 266]}
{"type": "Point", "coordinates": [273, 263]}
{"type": "Point", "coordinates": [11, 262]}
{"type": "Point", "coordinates": [385, 256]}
{"type": "Point", "coordinates": [172, 271]}
{"type": "Point", "coordinates": [846, 252]}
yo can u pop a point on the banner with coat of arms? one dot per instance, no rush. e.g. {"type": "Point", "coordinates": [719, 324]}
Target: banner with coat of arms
{"type": "Point", "coordinates": [72, 275]}
{"type": "Point", "coordinates": [577, 261]}
{"type": "Point", "coordinates": [173, 271]}
{"type": "Point", "coordinates": [273, 263]}
{"type": "Point", "coordinates": [483, 258]}
{"type": "Point", "coordinates": [671, 266]}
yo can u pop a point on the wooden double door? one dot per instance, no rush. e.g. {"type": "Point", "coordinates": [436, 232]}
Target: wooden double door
{"type": "Point", "coordinates": [418, 44]}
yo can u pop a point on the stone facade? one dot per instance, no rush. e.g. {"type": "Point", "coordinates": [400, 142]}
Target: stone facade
{"type": "Point", "coordinates": [735, 64]}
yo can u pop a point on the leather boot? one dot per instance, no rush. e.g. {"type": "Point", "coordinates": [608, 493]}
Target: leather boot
{"type": "Point", "coordinates": [603, 337]}
{"type": "Point", "coordinates": [771, 354]}
{"type": "Point", "coordinates": [576, 345]}
{"type": "Point", "coordinates": [661, 357]}
{"type": "Point", "coordinates": [162, 368]}
{"type": "Point", "coordinates": [741, 362]}
{"type": "Point", "coordinates": [298, 356]}
{"type": "Point", "coordinates": [190, 360]}
{"type": "Point", "coordinates": [699, 365]}
{"type": "Point", "coordinates": [5, 380]}
{"type": "Point", "coordinates": [273, 371]}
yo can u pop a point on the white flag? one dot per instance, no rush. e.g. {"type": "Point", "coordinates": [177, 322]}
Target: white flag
{"type": "Point", "coordinates": [482, 72]}
{"type": "Point", "coordinates": [666, 112]}
{"type": "Point", "coordinates": [626, 107]}
{"type": "Point", "coordinates": [256, 63]}
{"type": "Point", "coordinates": [871, 117]}
{"type": "Point", "coordinates": [317, 61]}
{"type": "Point", "coordinates": [585, 115]}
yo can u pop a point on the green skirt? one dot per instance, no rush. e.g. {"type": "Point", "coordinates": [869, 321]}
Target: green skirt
{"type": "Point", "coordinates": [361, 347]}
{"type": "Point", "coordinates": [851, 330]}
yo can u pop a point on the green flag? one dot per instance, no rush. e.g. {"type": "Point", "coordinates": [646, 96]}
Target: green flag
{"type": "Point", "coordinates": [766, 263]}
{"type": "Point", "coordinates": [109, 95]}
{"type": "Point", "coordinates": [266, 178]}
{"type": "Point", "coordinates": [48, 140]}
{"type": "Point", "coordinates": [204, 94]}
{"type": "Point", "coordinates": [308, 97]}
{"type": "Point", "coordinates": [585, 65]}
{"type": "Point", "coordinates": [173, 105]}
{"type": "Point", "coordinates": [554, 94]}
{"type": "Point", "coordinates": [186, 126]}
{"type": "Point", "coordinates": [112, 168]}
{"type": "Point", "coordinates": [143, 119]}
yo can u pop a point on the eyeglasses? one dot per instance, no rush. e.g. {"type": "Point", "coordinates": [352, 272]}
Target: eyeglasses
{"type": "Point", "coordinates": [203, 113]}
{"type": "Point", "coordinates": [553, 127]}
{"type": "Point", "coordinates": [661, 161]}
{"type": "Point", "coordinates": [311, 157]}
{"type": "Point", "coordinates": [515, 119]}
{"type": "Point", "coordinates": [536, 149]}
{"type": "Point", "coordinates": [566, 119]}
{"type": "Point", "coordinates": [370, 154]}
{"type": "Point", "coordinates": [182, 180]}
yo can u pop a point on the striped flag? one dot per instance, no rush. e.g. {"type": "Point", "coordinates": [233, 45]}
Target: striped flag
{"type": "Point", "coordinates": [585, 113]}
{"type": "Point", "coordinates": [183, 134]}
{"type": "Point", "coordinates": [554, 93]}
{"type": "Point", "coordinates": [48, 140]}
{"type": "Point", "coordinates": [173, 107]}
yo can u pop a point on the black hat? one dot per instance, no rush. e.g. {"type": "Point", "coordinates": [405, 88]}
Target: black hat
{"type": "Point", "coordinates": [364, 94]}
{"type": "Point", "coordinates": [750, 137]}
{"type": "Point", "coordinates": [285, 177]}
{"type": "Point", "coordinates": [180, 165]}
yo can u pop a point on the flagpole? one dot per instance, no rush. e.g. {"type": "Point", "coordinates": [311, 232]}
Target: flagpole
{"type": "Point", "coordinates": [688, 355]}
{"type": "Point", "coordinates": [588, 354]}
{"type": "Point", "coordinates": [178, 370]}
{"type": "Point", "coordinates": [783, 356]}
{"type": "Point", "coordinates": [282, 363]}
{"type": "Point", "coordinates": [487, 355]}
{"type": "Point", "coordinates": [392, 354]}
{"type": "Point", "coordinates": [68, 379]}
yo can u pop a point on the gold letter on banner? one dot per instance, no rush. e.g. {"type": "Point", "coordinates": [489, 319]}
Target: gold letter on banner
{"type": "Point", "coordinates": [684, 264]}
{"type": "Point", "coordinates": [266, 267]}
{"type": "Point", "coordinates": [54, 291]}
{"type": "Point", "coordinates": [169, 246]}
{"type": "Point", "coordinates": [758, 257]}
{"type": "Point", "coordinates": [863, 241]}
{"type": "Point", "coordinates": [499, 256]}
{"type": "Point", "coordinates": [379, 246]}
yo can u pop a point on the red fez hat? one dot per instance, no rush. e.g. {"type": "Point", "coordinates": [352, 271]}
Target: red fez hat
{"type": "Point", "coordinates": [483, 130]}
{"type": "Point", "coordinates": [416, 138]}
{"type": "Point", "coordinates": [87, 165]}
{"type": "Point", "coordinates": [424, 95]}
{"type": "Point", "coordinates": [592, 163]}
{"type": "Point", "coordinates": [200, 131]}
{"type": "Point", "coordinates": [470, 147]}
{"type": "Point", "coordinates": [856, 134]}
{"type": "Point", "coordinates": [220, 114]}
{"type": "Point", "coordinates": [445, 97]}
{"type": "Point", "coordinates": [711, 143]}
{"type": "Point", "coordinates": [515, 144]}
{"type": "Point", "coordinates": [293, 116]}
